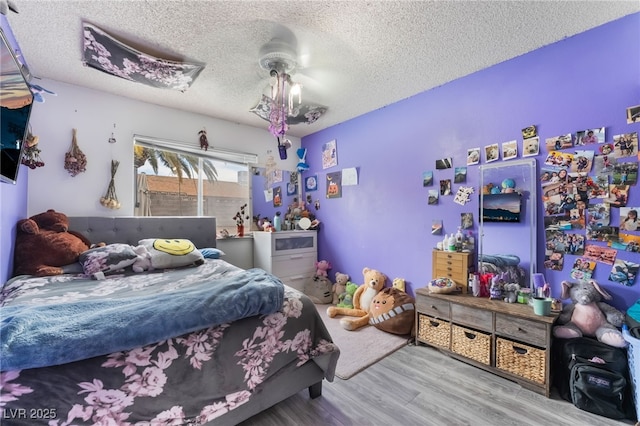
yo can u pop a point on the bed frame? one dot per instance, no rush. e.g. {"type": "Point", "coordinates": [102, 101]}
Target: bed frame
{"type": "Point", "coordinates": [202, 232]}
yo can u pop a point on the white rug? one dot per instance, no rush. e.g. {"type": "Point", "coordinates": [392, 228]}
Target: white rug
{"type": "Point", "coordinates": [360, 348]}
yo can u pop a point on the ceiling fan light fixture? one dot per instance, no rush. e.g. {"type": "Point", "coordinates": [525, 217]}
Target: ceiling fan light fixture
{"type": "Point", "coordinates": [283, 94]}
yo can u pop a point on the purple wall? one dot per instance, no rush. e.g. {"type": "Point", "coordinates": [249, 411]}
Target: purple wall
{"type": "Point", "coordinates": [13, 200]}
{"type": "Point", "coordinates": [585, 81]}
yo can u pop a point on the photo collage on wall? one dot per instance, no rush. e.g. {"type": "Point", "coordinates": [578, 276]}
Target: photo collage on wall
{"type": "Point", "coordinates": [505, 151]}
{"type": "Point", "coordinates": [586, 179]}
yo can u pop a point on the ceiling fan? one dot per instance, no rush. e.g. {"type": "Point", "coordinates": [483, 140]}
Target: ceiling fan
{"type": "Point", "coordinates": [281, 103]}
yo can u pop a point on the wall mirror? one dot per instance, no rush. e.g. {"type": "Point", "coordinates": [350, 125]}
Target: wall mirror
{"type": "Point", "coordinates": [507, 216]}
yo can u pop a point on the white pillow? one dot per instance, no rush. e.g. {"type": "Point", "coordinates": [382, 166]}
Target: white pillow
{"type": "Point", "coordinates": [172, 253]}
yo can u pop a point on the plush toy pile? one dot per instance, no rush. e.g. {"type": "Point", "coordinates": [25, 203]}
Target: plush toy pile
{"type": "Point", "coordinates": [44, 244]}
{"type": "Point", "coordinates": [374, 282]}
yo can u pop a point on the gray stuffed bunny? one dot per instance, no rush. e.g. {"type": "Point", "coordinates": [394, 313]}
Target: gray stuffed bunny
{"type": "Point", "coordinates": [587, 315]}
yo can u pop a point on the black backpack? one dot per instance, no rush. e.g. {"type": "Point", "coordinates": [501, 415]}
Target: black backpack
{"type": "Point", "coordinates": [593, 376]}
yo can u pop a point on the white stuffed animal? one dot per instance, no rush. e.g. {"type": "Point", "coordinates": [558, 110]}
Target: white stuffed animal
{"type": "Point", "coordinates": [143, 261]}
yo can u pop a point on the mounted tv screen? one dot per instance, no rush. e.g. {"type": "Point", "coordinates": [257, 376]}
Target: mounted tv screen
{"type": "Point", "coordinates": [501, 207]}
{"type": "Point", "coordinates": [16, 101]}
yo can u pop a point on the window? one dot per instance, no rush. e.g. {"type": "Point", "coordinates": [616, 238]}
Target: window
{"type": "Point", "coordinates": [175, 179]}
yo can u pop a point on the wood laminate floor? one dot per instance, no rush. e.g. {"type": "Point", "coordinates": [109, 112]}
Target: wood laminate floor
{"type": "Point", "coordinates": [418, 385]}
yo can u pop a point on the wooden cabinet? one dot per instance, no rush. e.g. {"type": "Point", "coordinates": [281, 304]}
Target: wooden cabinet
{"type": "Point", "coordinates": [454, 265]}
{"type": "Point", "coordinates": [289, 255]}
{"type": "Point", "coordinates": [507, 339]}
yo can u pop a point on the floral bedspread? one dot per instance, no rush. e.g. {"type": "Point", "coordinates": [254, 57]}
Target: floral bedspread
{"type": "Point", "coordinates": [191, 379]}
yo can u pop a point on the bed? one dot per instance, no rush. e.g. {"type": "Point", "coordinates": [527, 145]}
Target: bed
{"type": "Point", "coordinates": [77, 350]}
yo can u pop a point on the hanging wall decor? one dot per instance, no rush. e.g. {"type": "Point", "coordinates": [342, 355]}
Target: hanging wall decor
{"type": "Point", "coordinates": [110, 199]}
{"type": "Point", "coordinates": [103, 52]}
{"type": "Point", "coordinates": [75, 161]}
{"type": "Point", "coordinates": [31, 157]}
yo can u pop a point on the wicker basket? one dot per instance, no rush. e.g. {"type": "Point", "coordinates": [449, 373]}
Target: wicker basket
{"type": "Point", "coordinates": [471, 344]}
{"type": "Point", "coordinates": [522, 360]}
{"type": "Point", "coordinates": [434, 331]}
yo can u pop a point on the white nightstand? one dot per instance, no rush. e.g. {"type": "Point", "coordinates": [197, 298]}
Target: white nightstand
{"type": "Point", "coordinates": [289, 255]}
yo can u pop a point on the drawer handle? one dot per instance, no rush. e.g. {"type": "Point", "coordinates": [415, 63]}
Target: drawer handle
{"type": "Point", "coordinates": [470, 336]}
{"type": "Point", "coordinates": [521, 330]}
{"type": "Point", "coordinates": [296, 256]}
{"type": "Point", "coordinates": [434, 324]}
{"type": "Point", "coordinates": [519, 350]}
{"type": "Point", "coordinates": [434, 308]}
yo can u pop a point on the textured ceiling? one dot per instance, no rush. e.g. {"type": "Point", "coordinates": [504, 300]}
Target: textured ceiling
{"type": "Point", "coordinates": [355, 56]}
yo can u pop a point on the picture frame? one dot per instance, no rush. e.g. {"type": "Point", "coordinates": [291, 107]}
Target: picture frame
{"type": "Point", "coordinates": [501, 207]}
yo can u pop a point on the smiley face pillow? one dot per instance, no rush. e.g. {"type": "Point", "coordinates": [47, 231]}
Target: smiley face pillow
{"type": "Point", "coordinates": [172, 253]}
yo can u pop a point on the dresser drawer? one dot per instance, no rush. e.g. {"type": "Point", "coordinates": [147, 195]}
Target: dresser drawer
{"type": "Point", "coordinates": [521, 329]}
{"type": "Point", "coordinates": [456, 275]}
{"type": "Point", "coordinates": [433, 307]}
{"type": "Point", "coordinates": [291, 264]}
{"type": "Point", "coordinates": [477, 318]}
{"type": "Point", "coordinates": [443, 262]}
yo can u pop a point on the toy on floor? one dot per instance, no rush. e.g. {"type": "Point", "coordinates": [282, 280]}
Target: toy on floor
{"type": "Point", "coordinates": [318, 288]}
{"type": "Point", "coordinates": [374, 281]}
{"type": "Point", "coordinates": [345, 300]}
{"type": "Point", "coordinates": [339, 287]}
{"type": "Point", "coordinates": [393, 311]}
{"type": "Point", "coordinates": [399, 283]}
{"type": "Point", "coordinates": [322, 267]}
{"type": "Point", "coordinates": [587, 315]}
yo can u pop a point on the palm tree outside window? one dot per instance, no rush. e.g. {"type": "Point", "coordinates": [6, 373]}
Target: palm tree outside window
{"type": "Point", "coordinates": [173, 179]}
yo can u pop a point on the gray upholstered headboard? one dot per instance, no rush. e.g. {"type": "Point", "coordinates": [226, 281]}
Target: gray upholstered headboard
{"type": "Point", "coordinates": [130, 229]}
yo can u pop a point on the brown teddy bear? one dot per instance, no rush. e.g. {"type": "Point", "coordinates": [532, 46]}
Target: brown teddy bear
{"type": "Point", "coordinates": [44, 244]}
{"type": "Point", "coordinates": [374, 282]}
{"type": "Point", "coordinates": [339, 287]}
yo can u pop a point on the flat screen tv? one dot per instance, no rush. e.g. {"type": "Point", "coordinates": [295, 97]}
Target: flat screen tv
{"type": "Point", "coordinates": [16, 101]}
{"type": "Point", "coordinates": [501, 207]}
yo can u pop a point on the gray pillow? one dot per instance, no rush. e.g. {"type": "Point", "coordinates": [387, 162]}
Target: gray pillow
{"type": "Point", "coordinates": [110, 258]}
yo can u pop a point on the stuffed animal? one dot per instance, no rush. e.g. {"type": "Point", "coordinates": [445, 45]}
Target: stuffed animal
{"type": "Point", "coordinates": [511, 292]}
{"type": "Point", "coordinates": [587, 315]}
{"type": "Point", "coordinates": [393, 311]}
{"type": "Point", "coordinates": [399, 283]}
{"type": "Point", "coordinates": [143, 261]}
{"type": "Point", "coordinates": [322, 267]}
{"type": "Point", "coordinates": [497, 286]}
{"type": "Point", "coordinates": [318, 288]}
{"type": "Point", "coordinates": [339, 287]}
{"type": "Point", "coordinates": [345, 300]}
{"type": "Point", "coordinates": [374, 281]}
{"type": "Point", "coordinates": [44, 244]}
